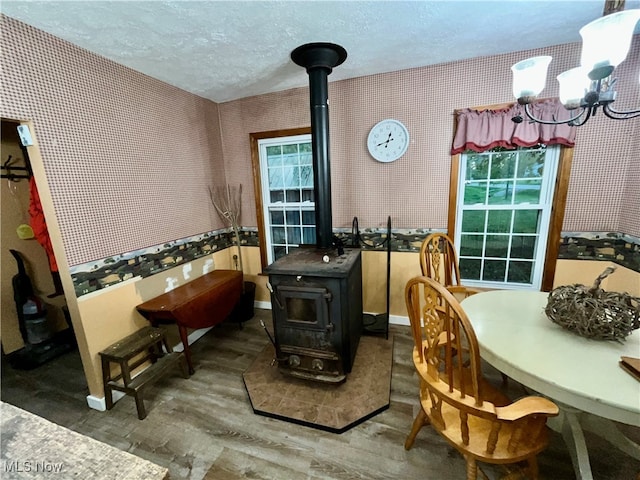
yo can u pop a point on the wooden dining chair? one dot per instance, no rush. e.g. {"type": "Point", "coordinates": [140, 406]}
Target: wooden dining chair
{"type": "Point", "coordinates": [455, 399]}
{"type": "Point", "coordinates": [439, 261]}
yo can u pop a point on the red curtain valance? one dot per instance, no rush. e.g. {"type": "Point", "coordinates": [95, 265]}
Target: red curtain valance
{"type": "Point", "coordinates": [483, 130]}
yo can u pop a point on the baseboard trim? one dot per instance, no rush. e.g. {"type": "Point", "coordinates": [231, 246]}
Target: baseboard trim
{"type": "Point", "coordinates": [399, 320]}
{"type": "Point", "coordinates": [100, 404]}
{"type": "Point", "coordinates": [261, 304]}
{"type": "Point", "coordinates": [193, 337]}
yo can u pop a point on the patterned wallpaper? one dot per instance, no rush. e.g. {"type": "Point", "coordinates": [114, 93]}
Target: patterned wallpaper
{"type": "Point", "coordinates": [129, 158]}
{"type": "Point", "coordinates": [603, 194]}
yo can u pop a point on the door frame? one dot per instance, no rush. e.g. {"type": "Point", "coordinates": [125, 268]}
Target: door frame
{"type": "Point", "coordinates": [257, 179]}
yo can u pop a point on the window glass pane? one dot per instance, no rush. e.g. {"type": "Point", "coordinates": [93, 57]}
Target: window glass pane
{"type": "Point", "coordinates": [275, 178]}
{"type": "Point", "coordinates": [290, 160]}
{"type": "Point", "coordinates": [499, 221]}
{"type": "Point", "coordinates": [277, 196]}
{"type": "Point", "coordinates": [526, 221]}
{"type": "Point", "coordinates": [502, 165]}
{"type": "Point", "coordinates": [277, 235]}
{"type": "Point", "coordinates": [308, 217]}
{"type": "Point", "coordinates": [306, 176]}
{"type": "Point", "coordinates": [523, 247]}
{"type": "Point", "coordinates": [308, 235]}
{"type": "Point", "coordinates": [497, 246]}
{"type": "Point", "coordinates": [531, 164]}
{"type": "Point", "coordinates": [277, 217]}
{"type": "Point", "coordinates": [274, 155]}
{"type": "Point", "coordinates": [293, 217]}
{"type": "Point", "coordinates": [471, 245]}
{"type": "Point", "coordinates": [494, 270]}
{"type": "Point", "coordinates": [290, 149]}
{"type": "Point", "coordinates": [500, 193]}
{"type": "Point", "coordinates": [291, 176]}
{"type": "Point", "coordinates": [307, 196]}
{"type": "Point", "coordinates": [477, 166]}
{"type": "Point", "coordinates": [475, 192]}
{"type": "Point", "coordinates": [293, 196]}
{"type": "Point", "coordinates": [279, 252]}
{"type": "Point", "coordinates": [470, 268]}
{"type": "Point", "coordinates": [473, 220]}
{"type": "Point", "coordinates": [528, 191]}
{"type": "Point", "coordinates": [305, 147]}
{"type": "Point", "coordinates": [293, 235]}
{"type": "Point", "coordinates": [520, 272]}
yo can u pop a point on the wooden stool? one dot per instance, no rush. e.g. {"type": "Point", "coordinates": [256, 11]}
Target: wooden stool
{"type": "Point", "coordinates": [131, 352]}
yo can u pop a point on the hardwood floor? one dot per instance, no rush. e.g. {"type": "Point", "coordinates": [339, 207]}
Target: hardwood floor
{"type": "Point", "coordinates": [204, 427]}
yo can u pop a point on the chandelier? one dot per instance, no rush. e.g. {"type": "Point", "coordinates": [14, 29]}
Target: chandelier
{"type": "Point", "coordinates": [582, 90]}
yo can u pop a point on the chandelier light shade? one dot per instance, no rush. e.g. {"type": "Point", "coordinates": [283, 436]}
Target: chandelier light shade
{"type": "Point", "coordinates": [606, 42]}
{"type": "Point", "coordinates": [572, 84]}
{"type": "Point", "coordinates": [582, 90]}
{"type": "Point", "coordinates": [530, 76]}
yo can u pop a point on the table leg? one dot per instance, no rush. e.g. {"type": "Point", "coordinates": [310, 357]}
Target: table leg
{"type": "Point", "coordinates": [568, 424]}
{"type": "Point", "coordinates": [187, 350]}
{"type": "Point", "coordinates": [607, 429]}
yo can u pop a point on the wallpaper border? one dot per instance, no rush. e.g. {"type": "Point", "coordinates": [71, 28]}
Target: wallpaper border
{"type": "Point", "coordinates": [96, 275]}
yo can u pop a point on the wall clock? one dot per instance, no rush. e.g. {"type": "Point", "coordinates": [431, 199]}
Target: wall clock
{"type": "Point", "coordinates": [388, 140]}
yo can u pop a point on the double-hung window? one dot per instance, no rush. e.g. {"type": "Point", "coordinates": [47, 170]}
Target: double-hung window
{"type": "Point", "coordinates": [286, 173]}
{"type": "Point", "coordinates": [504, 207]}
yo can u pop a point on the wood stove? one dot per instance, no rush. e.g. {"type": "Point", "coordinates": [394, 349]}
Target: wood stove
{"type": "Point", "coordinates": [317, 312]}
{"type": "Point", "coordinates": [316, 293]}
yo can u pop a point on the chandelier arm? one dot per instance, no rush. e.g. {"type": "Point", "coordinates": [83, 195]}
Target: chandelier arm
{"type": "Point", "coordinates": [618, 115]}
{"type": "Point", "coordinates": [571, 120]}
{"type": "Point", "coordinates": [590, 111]}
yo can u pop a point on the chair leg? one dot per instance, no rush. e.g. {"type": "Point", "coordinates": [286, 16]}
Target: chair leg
{"type": "Point", "coordinates": [533, 468]}
{"type": "Point", "coordinates": [472, 468]}
{"type": "Point", "coordinates": [420, 421]}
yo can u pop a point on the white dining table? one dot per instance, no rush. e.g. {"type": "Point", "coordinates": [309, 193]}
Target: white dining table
{"type": "Point", "coordinates": [581, 375]}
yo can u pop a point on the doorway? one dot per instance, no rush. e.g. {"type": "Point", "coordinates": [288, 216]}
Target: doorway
{"type": "Point", "coordinates": [35, 326]}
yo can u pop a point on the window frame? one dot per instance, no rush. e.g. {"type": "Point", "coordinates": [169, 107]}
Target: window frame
{"type": "Point", "coordinates": [558, 205]}
{"type": "Point", "coordinates": [543, 205]}
{"type": "Point", "coordinates": [254, 139]}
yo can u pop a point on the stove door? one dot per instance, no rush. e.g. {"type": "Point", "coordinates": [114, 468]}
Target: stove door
{"type": "Point", "coordinates": [305, 335]}
{"type": "Point", "coordinates": [305, 307]}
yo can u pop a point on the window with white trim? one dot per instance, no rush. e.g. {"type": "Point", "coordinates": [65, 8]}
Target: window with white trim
{"type": "Point", "coordinates": [286, 172]}
{"type": "Point", "coordinates": [502, 221]}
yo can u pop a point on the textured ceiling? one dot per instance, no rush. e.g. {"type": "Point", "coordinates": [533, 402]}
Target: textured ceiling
{"type": "Point", "coordinates": [224, 50]}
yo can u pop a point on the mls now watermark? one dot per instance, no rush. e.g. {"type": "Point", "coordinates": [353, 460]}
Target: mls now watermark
{"type": "Point", "coordinates": [35, 466]}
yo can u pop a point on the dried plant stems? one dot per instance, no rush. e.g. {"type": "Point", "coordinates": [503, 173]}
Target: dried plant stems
{"type": "Point", "coordinates": [593, 312]}
{"type": "Point", "coordinates": [227, 201]}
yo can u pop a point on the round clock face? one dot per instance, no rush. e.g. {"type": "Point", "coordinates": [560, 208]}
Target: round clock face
{"type": "Point", "coordinates": [388, 140]}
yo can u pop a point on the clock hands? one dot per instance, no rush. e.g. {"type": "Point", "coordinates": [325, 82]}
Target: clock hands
{"type": "Point", "coordinates": [385, 143]}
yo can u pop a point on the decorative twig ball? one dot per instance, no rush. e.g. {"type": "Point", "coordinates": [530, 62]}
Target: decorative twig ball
{"type": "Point", "coordinates": [593, 312]}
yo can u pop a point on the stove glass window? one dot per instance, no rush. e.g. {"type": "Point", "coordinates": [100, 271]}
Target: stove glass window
{"type": "Point", "coordinates": [301, 310]}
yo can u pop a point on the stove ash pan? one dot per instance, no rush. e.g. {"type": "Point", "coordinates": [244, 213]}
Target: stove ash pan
{"type": "Point", "coordinates": [317, 316]}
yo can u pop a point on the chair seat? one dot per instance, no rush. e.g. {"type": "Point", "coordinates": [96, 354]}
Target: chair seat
{"type": "Point", "coordinates": [480, 429]}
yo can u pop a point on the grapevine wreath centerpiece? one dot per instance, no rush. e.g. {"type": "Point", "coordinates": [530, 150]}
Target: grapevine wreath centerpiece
{"type": "Point", "coordinates": [593, 312]}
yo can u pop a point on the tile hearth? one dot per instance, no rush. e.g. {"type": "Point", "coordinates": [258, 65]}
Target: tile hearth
{"type": "Point", "coordinates": [334, 408]}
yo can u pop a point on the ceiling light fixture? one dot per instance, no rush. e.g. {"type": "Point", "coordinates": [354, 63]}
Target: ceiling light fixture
{"type": "Point", "coordinates": [605, 44]}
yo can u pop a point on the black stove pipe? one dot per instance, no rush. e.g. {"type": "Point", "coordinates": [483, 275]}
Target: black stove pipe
{"type": "Point", "coordinates": [319, 60]}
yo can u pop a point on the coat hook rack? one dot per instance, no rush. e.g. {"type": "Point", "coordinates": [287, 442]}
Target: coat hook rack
{"type": "Point", "coordinates": [8, 168]}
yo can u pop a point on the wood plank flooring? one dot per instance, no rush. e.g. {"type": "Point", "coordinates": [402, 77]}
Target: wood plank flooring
{"type": "Point", "coordinates": [204, 427]}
